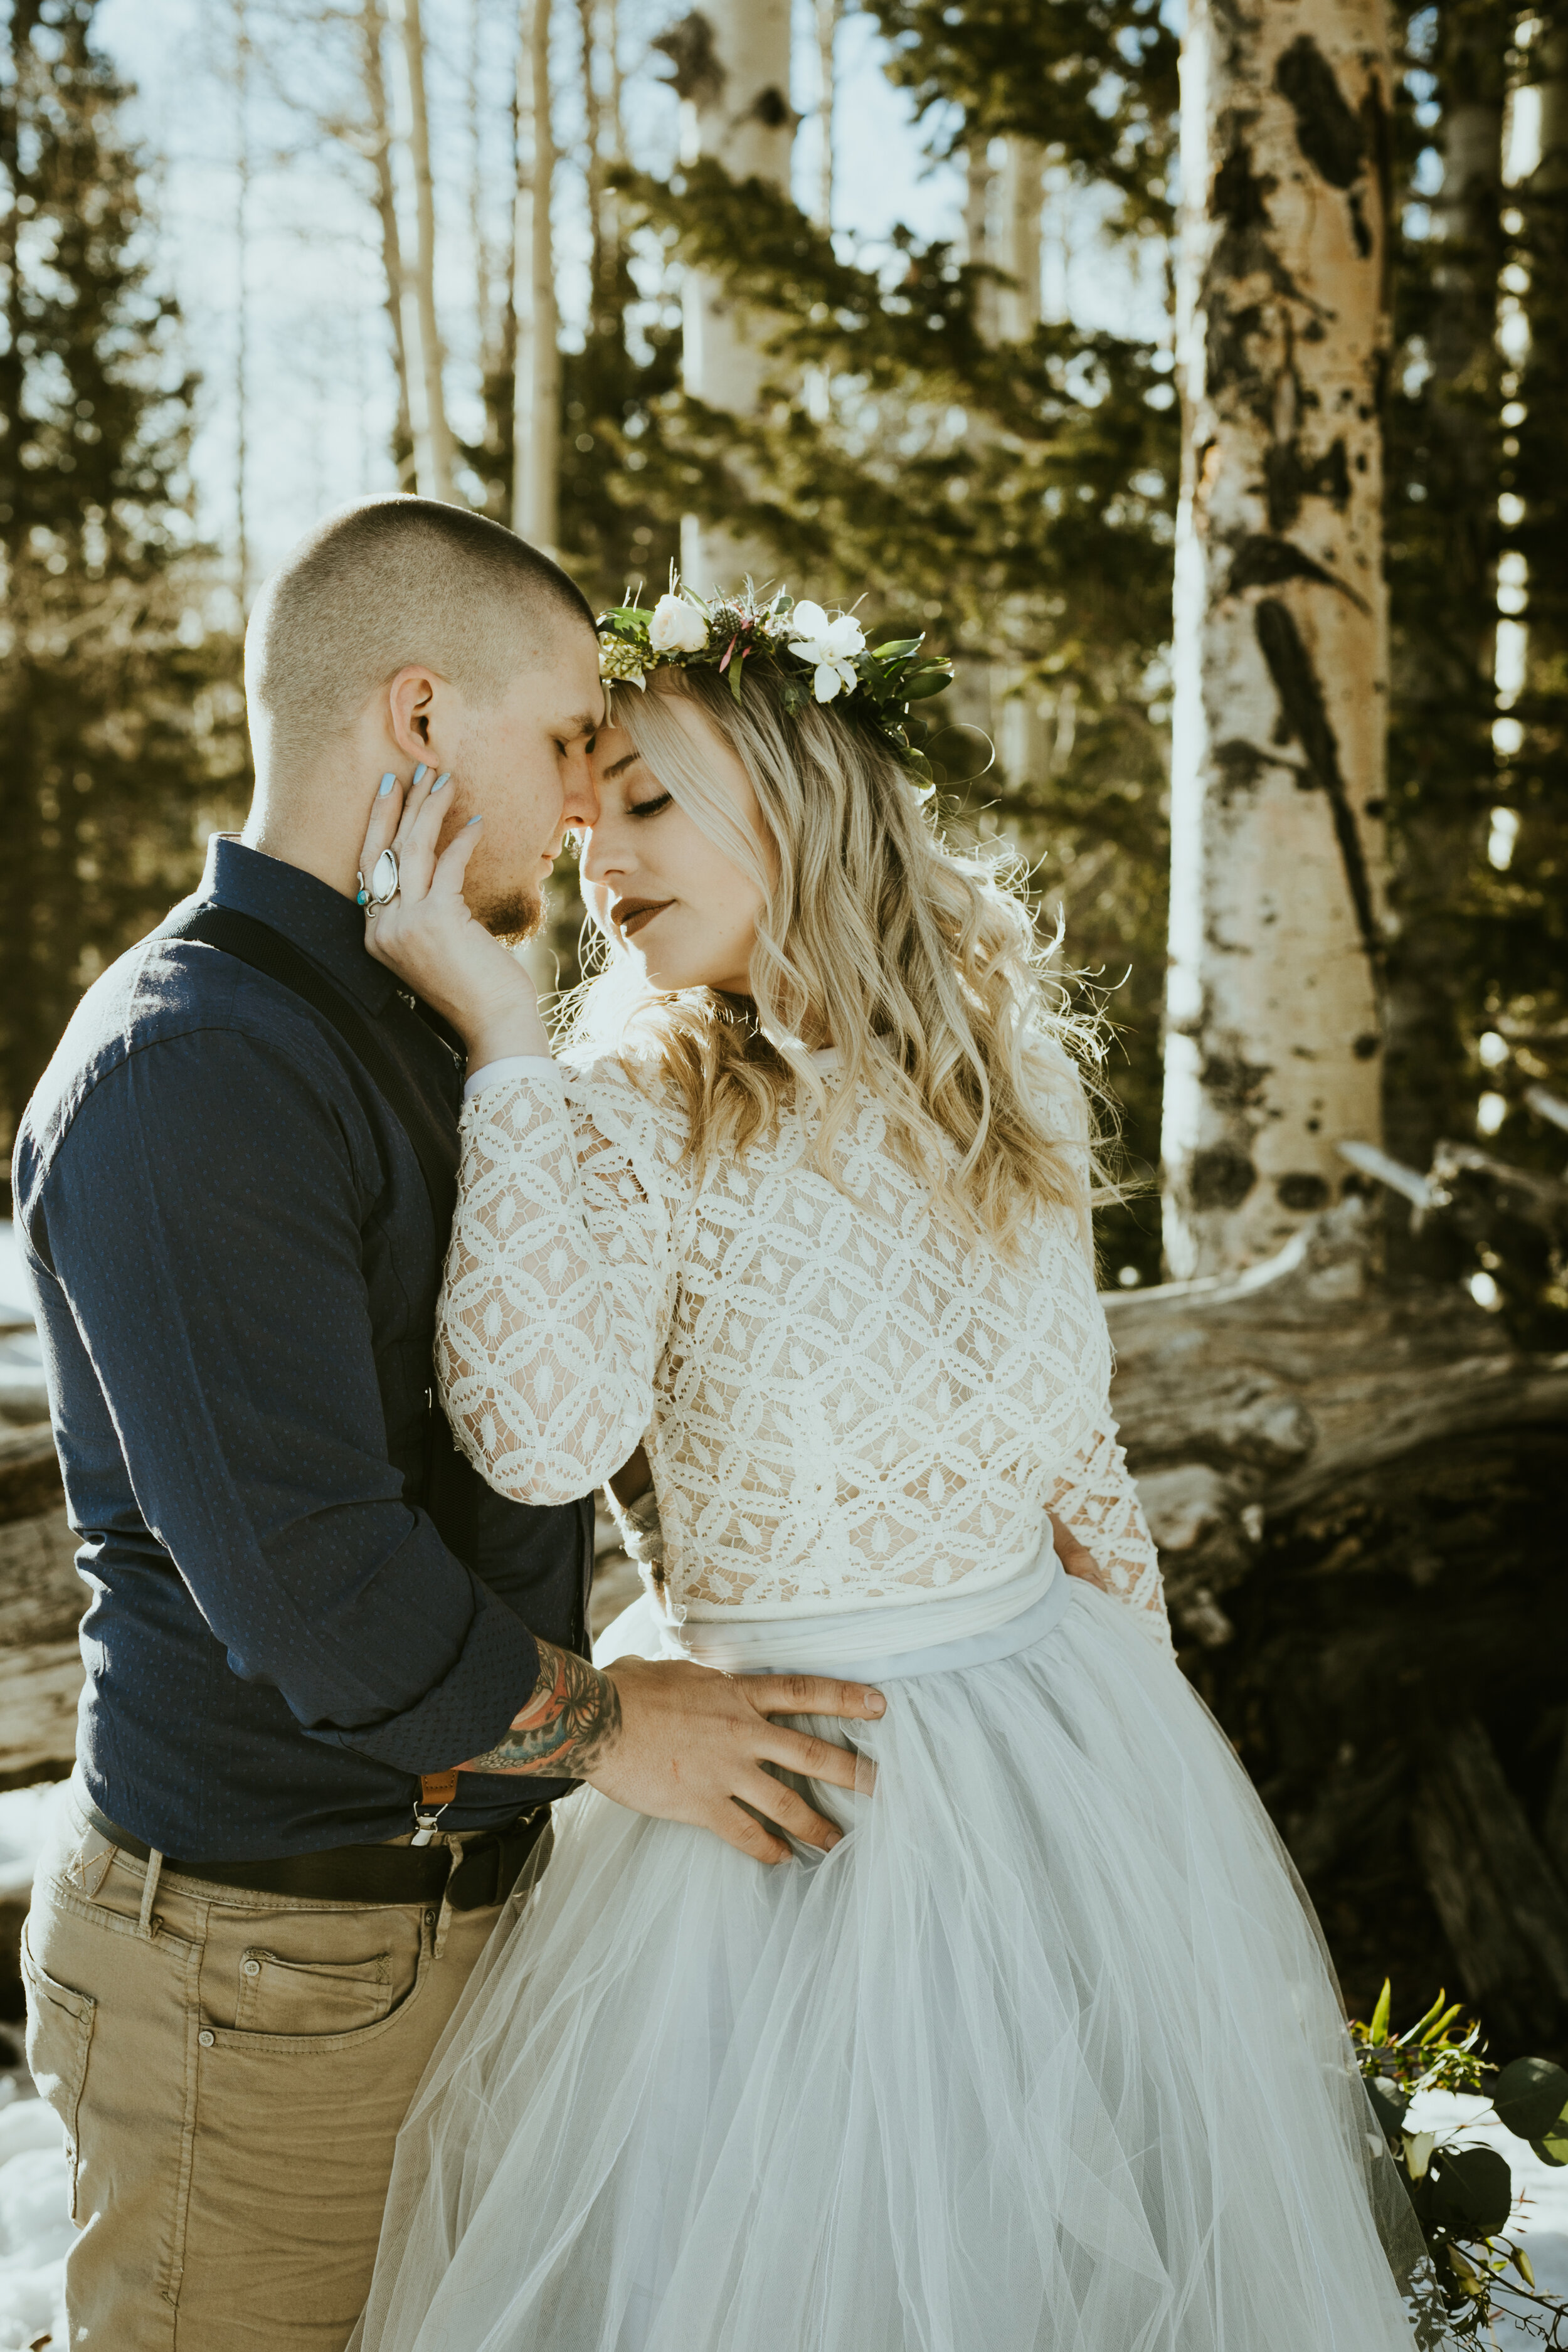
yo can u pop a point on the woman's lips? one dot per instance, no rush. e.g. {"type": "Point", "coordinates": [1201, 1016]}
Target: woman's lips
{"type": "Point", "coordinates": [635, 915]}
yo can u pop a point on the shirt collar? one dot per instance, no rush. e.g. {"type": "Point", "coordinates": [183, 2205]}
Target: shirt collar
{"type": "Point", "coordinates": [315, 917]}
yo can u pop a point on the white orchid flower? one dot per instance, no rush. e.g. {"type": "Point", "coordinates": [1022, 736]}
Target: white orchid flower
{"type": "Point", "coordinates": [677, 626]}
{"type": "Point", "coordinates": [830, 645]}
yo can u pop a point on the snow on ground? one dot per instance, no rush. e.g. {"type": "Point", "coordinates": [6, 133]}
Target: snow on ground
{"type": "Point", "coordinates": [35, 2224]}
{"type": "Point", "coordinates": [23, 1396]}
{"type": "Point", "coordinates": [24, 1815]}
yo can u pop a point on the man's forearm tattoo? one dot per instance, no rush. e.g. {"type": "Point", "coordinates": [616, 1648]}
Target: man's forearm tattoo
{"type": "Point", "coordinates": [570, 1721]}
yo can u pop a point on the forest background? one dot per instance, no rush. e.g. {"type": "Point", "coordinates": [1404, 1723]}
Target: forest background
{"type": "Point", "coordinates": [912, 335]}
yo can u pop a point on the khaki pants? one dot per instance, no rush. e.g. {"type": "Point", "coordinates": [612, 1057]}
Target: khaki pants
{"type": "Point", "coordinates": [231, 2070]}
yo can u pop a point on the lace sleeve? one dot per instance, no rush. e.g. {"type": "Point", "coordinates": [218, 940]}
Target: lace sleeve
{"type": "Point", "coordinates": [1098, 1503]}
{"type": "Point", "coordinates": [555, 1302]}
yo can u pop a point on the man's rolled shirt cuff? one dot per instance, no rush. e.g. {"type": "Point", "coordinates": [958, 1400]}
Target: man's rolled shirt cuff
{"type": "Point", "coordinates": [467, 1711]}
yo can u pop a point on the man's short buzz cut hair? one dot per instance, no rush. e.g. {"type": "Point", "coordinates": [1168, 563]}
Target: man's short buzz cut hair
{"type": "Point", "coordinates": [383, 584]}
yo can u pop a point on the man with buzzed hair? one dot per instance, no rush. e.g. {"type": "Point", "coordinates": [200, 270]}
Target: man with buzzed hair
{"type": "Point", "coordinates": [468, 620]}
{"type": "Point", "coordinates": [233, 1186]}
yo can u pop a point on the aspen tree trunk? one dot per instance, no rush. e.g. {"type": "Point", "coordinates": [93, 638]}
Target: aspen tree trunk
{"type": "Point", "coordinates": [485, 317]}
{"type": "Point", "coordinates": [600, 23]}
{"type": "Point", "coordinates": [828, 15]}
{"type": "Point", "coordinates": [612, 51]}
{"type": "Point", "coordinates": [536, 413]}
{"type": "Point", "coordinates": [433, 454]}
{"type": "Point", "coordinates": [978, 242]}
{"type": "Point", "coordinates": [734, 82]}
{"type": "Point", "coordinates": [372, 27]}
{"type": "Point", "coordinates": [1002, 212]}
{"type": "Point", "coordinates": [612, 132]}
{"type": "Point", "coordinates": [1020, 199]}
{"type": "Point", "coordinates": [1274, 1034]}
{"type": "Point", "coordinates": [242, 303]}
{"type": "Point", "coordinates": [594, 128]}
{"type": "Point", "coordinates": [1020, 727]}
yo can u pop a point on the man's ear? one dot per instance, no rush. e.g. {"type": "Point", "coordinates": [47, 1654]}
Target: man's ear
{"type": "Point", "coordinates": [414, 710]}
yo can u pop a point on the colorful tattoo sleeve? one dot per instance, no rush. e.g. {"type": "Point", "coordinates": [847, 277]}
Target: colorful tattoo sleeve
{"type": "Point", "coordinates": [574, 1714]}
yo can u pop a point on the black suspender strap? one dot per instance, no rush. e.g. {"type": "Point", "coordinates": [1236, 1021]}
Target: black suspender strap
{"type": "Point", "coordinates": [258, 944]}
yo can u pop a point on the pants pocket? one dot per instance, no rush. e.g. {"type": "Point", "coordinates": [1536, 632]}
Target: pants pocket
{"type": "Point", "coordinates": [60, 2037]}
{"type": "Point", "coordinates": [309, 1997]}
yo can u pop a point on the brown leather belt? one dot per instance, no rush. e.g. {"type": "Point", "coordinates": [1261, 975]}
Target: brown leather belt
{"type": "Point", "coordinates": [490, 1865]}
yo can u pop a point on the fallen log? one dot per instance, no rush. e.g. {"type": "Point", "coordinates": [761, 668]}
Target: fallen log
{"type": "Point", "coordinates": [1245, 1401]}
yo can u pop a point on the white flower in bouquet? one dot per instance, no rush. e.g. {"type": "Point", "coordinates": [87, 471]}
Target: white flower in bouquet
{"type": "Point", "coordinates": [830, 645]}
{"type": "Point", "coordinates": [677, 626]}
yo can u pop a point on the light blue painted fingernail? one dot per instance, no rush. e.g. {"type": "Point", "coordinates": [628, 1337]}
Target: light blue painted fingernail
{"type": "Point", "coordinates": [385, 786]}
{"type": "Point", "coordinates": [420, 772]}
{"type": "Point", "coordinates": [442, 782]}
{"type": "Point", "coordinates": [476, 820]}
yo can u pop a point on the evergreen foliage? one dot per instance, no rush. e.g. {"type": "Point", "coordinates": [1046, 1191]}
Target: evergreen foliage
{"type": "Point", "coordinates": [1475, 475]}
{"type": "Point", "coordinates": [1094, 81]}
{"type": "Point", "coordinates": [1520, 987]}
{"type": "Point", "coordinates": [1443, 457]}
{"type": "Point", "coordinates": [121, 720]}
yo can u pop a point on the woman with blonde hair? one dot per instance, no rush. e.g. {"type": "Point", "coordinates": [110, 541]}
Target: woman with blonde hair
{"type": "Point", "coordinates": [1030, 2041]}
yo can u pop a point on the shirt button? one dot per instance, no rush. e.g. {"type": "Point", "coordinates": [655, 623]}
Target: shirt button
{"type": "Point", "coordinates": [252, 1968]}
{"type": "Point", "coordinates": [206, 2040]}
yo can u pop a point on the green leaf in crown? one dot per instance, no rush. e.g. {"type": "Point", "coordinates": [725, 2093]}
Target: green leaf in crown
{"type": "Point", "coordinates": [821, 656]}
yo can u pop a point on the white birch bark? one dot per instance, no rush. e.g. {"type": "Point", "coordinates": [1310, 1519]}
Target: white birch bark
{"type": "Point", "coordinates": [1273, 1049]}
{"type": "Point", "coordinates": [735, 107]}
{"type": "Point", "coordinates": [433, 452]}
{"type": "Point", "coordinates": [536, 413]}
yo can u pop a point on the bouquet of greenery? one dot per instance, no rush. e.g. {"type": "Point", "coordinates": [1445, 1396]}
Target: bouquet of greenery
{"type": "Point", "coordinates": [1463, 2195]}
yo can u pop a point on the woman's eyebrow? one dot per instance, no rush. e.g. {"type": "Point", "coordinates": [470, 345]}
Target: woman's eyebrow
{"type": "Point", "coordinates": [618, 767]}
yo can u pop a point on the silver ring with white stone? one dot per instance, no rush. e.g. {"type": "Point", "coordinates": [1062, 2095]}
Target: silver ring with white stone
{"type": "Point", "coordinates": [385, 882]}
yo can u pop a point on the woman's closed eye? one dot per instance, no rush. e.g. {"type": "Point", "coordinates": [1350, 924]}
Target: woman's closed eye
{"type": "Point", "coordinates": [649, 808]}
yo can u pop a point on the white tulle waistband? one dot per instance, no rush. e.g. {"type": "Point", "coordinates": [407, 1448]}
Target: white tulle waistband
{"type": "Point", "coordinates": [926, 1637]}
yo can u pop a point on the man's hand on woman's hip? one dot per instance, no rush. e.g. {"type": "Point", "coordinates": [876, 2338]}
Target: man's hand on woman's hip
{"type": "Point", "coordinates": [683, 1743]}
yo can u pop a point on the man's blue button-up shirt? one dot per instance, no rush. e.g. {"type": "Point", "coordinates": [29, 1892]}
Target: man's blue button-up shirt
{"type": "Point", "coordinates": [236, 1266]}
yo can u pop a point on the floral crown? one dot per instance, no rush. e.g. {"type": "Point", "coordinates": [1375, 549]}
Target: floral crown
{"type": "Point", "coordinates": [819, 655]}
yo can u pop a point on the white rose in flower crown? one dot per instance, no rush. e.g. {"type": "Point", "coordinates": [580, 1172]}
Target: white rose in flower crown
{"type": "Point", "coordinates": [830, 645]}
{"type": "Point", "coordinates": [677, 626]}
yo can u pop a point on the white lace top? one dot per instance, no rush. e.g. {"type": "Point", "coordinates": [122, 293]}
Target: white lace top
{"type": "Point", "coordinates": [846, 1404]}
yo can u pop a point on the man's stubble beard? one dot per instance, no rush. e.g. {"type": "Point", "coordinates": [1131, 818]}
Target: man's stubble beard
{"type": "Point", "coordinates": [510, 916]}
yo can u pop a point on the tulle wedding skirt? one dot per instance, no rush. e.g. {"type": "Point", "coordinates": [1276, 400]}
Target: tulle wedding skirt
{"type": "Point", "coordinates": [1044, 2056]}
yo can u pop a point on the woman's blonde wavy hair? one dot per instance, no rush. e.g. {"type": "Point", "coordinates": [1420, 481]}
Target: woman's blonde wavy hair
{"type": "Point", "coordinates": [920, 964]}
